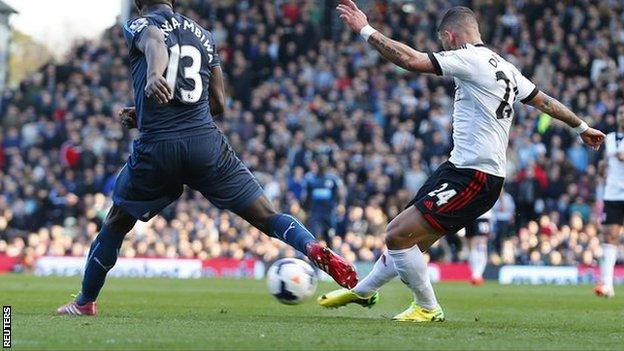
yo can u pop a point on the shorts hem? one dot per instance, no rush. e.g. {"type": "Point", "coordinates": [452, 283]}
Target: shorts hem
{"type": "Point", "coordinates": [431, 220]}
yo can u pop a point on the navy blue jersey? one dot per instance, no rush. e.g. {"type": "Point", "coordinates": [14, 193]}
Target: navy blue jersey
{"type": "Point", "coordinates": [323, 193]}
{"type": "Point", "coordinates": [192, 54]}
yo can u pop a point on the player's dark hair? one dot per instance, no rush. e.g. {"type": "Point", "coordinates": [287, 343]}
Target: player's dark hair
{"type": "Point", "coordinates": [140, 3]}
{"type": "Point", "coordinates": [456, 16]}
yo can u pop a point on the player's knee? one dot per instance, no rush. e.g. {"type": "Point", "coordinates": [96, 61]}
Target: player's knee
{"type": "Point", "coordinates": [119, 221]}
{"type": "Point", "coordinates": [259, 214]}
{"type": "Point", "coordinates": [395, 236]}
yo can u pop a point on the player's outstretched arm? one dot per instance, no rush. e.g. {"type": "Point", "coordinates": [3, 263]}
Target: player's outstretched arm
{"type": "Point", "coordinates": [592, 137]}
{"type": "Point", "coordinates": [393, 51]}
{"type": "Point", "coordinates": [152, 44]}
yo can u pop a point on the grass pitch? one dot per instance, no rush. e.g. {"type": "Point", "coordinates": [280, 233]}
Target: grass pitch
{"type": "Point", "coordinates": [241, 315]}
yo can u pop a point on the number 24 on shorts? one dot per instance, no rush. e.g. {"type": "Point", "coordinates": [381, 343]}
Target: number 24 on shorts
{"type": "Point", "coordinates": [442, 194]}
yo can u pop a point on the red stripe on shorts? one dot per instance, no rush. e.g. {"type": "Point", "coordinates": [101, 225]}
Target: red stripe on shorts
{"type": "Point", "coordinates": [479, 182]}
{"type": "Point", "coordinates": [471, 190]}
{"type": "Point", "coordinates": [433, 222]}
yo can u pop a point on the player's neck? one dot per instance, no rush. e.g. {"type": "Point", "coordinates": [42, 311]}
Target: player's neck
{"type": "Point", "coordinates": [475, 42]}
{"type": "Point", "coordinates": [156, 7]}
{"type": "Point", "coordinates": [468, 38]}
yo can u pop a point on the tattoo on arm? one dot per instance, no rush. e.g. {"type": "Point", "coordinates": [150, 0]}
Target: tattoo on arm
{"type": "Point", "coordinates": [557, 110]}
{"type": "Point", "coordinates": [401, 54]}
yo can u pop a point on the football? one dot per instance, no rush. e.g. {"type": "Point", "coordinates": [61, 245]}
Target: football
{"type": "Point", "coordinates": [291, 281]}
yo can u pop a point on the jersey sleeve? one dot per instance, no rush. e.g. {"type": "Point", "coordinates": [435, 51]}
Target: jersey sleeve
{"type": "Point", "coordinates": [526, 89]}
{"type": "Point", "coordinates": [454, 63]}
{"type": "Point", "coordinates": [133, 30]}
{"type": "Point", "coordinates": [214, 58]}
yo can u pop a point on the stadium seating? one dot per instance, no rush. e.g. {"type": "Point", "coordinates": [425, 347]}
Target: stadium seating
{"type": "Point", "coordinates": [299, 87]}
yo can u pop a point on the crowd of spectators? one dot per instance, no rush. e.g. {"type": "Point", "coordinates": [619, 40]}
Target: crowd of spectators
{"type": "Point", "coordinates": [301, 85]}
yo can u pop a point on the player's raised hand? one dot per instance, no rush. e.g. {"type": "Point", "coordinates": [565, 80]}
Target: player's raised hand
{"type": "Point", "coordinates": [352, 15]}
{"type": "Point", "coordinates": [593, 138]}
{"type": "Point", "coordinates": [158, 89]}
{"type": "Point", "coordinates": [127, 117]}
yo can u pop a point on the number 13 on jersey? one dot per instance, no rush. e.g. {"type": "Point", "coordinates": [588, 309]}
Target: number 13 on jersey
{"type": "Point", "coordinates": [191, 72]}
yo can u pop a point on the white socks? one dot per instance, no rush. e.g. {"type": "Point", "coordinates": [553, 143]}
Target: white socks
{"type": "Point", "coordinates": [383, 272]}
{"type": "Point", "coordinates": [412, 268]}
{"type": "Point", "coordinates": [477, 258]}
{"type": "Point", "coordinates": [609, 256]}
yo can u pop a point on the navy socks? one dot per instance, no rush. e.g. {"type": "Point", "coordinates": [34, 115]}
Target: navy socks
{"type": "Point", "coordinates": [101, 259]}
{"type": "Point", "coordinates": [289, 230]}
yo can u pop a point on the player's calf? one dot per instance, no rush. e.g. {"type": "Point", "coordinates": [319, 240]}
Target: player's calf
{"type": "Point", "coordinates": [290, 230]}
{"type": "Point", "coordinates": [102, 257]}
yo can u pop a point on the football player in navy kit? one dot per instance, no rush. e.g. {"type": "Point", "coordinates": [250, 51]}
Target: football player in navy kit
{"type": "Point", "coordinates": [178, 86]}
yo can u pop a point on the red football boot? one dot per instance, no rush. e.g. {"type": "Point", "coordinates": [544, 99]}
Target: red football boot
{"type": "Point", "coordinates": [337, 267]}
{"type": "Point", "coordinates": [604, 291]}
{"type": "Point", "coordinates": [476, 281]}
{"type": "Point", "coordinates": [74, 309]}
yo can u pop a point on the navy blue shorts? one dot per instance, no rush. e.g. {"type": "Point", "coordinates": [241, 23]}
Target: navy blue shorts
{"type": "Point", "coordinates": [156, 173]}
{"type": "Point", "coordinates": [613, 212]}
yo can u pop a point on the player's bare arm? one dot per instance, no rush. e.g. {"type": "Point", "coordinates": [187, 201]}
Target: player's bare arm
{"type": "Point", "coordinates": [152, 44]}
{"type": "Point", "coordinates": [592, 137]}
{"type": "Point", "coordinates": [217, 92]}
{"type": "Point", "coordinates": [392, 50]}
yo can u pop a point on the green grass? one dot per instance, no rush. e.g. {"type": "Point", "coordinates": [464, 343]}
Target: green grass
{"type": "Point", "coordinates": [240, 314]}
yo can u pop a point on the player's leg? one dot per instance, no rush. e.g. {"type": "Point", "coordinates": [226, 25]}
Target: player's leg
{"type": "Point", "coordinates": [262, 215]}
{"type": "Point", "coordinates": [365, 293]}
{"type": "Point", "coordinates": [147, 184]}
{"type": "Point", "coordinates": [607, 262]}
{"type": "Point", "coordinates": [407, 236]}
{"type": "Point", "coordinates": [290, 230]}
{"type": "Point", "coordinates": [383, 272]}
{"type": "Point", "coordinates": [477, 234]}
{"type": "Point", "coordinates": [103, 253]}
{"type": "Point", "coordinates": [417, 233]}
{"type": "Point", "coordinates": [101, 259]}
{"type": "Point", "coordinates": [451, 198]}
{"type": "Point", "coordinates": [614, 215]}
{"type": "Point", "coordinates": [221, 177]}
{"type": "Point", "coordinates": [477, 258]}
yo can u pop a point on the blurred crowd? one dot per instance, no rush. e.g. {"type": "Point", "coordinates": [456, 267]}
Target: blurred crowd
{"type": "Point", "coordinates": [301, 85]}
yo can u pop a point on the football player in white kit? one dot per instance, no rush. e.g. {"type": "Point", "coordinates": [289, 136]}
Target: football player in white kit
{"type": "Point", "coordinates": [469, 184]}
{"type": "Point", "coordinates": [477, 234]}
{"type": "Point", "coordinates": [613, 206]}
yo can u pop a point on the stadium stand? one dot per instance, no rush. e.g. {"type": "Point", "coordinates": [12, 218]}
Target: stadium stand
{"type": "Point", "coordinates": [300, 87]}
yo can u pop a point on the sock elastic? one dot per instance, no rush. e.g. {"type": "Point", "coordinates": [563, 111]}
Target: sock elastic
{"type": "Point", "coordinates": [101, 259]}
{"type": "Point", "coordinates": [607, 264]}
{"type": "Point", "coordinates": [412, 268]}
{"type": "Point", "coordinates": [289, 230]}
{"type": "Point", "coordinates": [383, 272]}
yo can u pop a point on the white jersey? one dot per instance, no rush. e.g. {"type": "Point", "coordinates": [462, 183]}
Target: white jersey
{"type": "Point", "coordinates": [487, 88]}
{"type": "Point", "coordinates": [614, 187]}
